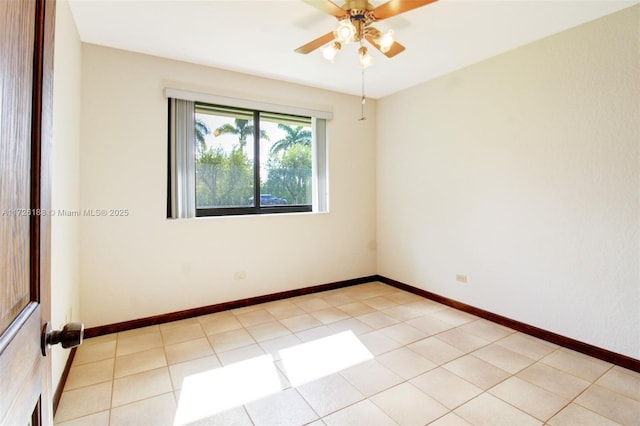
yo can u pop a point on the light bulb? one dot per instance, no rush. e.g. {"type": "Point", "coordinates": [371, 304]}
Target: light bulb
{"type": "Point", "coordinates": [386, 41]}
{"type": "Point", "coordinates": [366, 60]}
{"type": "Point", "coordinates": [330, 52]}
{"type": "Point", "coordinates": [345, 31]}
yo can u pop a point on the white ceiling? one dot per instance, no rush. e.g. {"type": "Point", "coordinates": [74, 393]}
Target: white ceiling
{"type": "Point", "coordinates": [259, 36]}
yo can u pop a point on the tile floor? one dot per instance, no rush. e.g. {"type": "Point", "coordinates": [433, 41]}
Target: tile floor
{"type": "Point", "coordinates": [363, 355]}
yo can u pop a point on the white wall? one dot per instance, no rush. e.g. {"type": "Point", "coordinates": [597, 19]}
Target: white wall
{"type": "Point", "coordinates": [65, 231]}
{"type": "Point", "coordinates": [145, 264]}
{"type": "Point", "coordinates": [523, 173]}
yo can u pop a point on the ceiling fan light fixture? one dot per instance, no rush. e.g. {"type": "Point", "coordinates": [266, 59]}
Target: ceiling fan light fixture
{"type": "Point", "coordinates": [366, 60]}
{"type": "Point", "coordinates": [330, 52]}
{"type": "Point", "coordinates": [385, 41]}
{"type": "Point", "coordinates": [345, 31]}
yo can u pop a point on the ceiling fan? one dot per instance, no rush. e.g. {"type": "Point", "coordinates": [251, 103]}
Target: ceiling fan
{"type": "Point", "coordinates": [355, 21]}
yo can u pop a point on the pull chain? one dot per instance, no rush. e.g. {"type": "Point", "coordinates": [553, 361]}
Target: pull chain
{"type": "Point", "coordinates": [363, 101]}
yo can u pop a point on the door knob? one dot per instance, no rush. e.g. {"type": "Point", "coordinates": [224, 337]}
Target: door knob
{"type": "Point", "coordinates": [70, 336]}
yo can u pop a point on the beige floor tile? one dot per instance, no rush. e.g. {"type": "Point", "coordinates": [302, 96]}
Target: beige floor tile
{"type": "Point", "coordinates": [285, 309]}
{"type": "Point", "coordinates": [219, 324]}
{"type": "Point", "coordinates": [337, 298]}
{"type": "Point", "coordinates": [97, 419]}
{"type": "Point", "coordinates": [183, 333]}
{"type": "Point", "coordinates": [357, 327]}
{"type": "Point", "coordinates": [95, 351]}
{"type": "Point", "coordinates": [403, 333]}
{"type": "Point", "coordinates": [453, 316]}
{"type": "Point", "coordinates": [329, 315]}
{"type": "Point", "coordinates": [356, 308]}
{"type": "Point", "coordinates": [409, 336]}
{"type": "Point", "coordinates": [408, 405]}
{"type": "Point", "coordinates": [430, 325]}
{"type": "Point", "coordinates": [282, 408]}
{"type": "Point", "coordinates": [403, 297]}
{"type": "Point", "coordinates": [268, 330]}
{"type": "Point", "coordinates": [129, 344]}
{"type": "Point", "coordinates": [186, 351]}
{"type": "Point", "coordinates": [611, 405]}
{"type": "Point", "coordinates": [527, 345]}
{"type": "Point", "coordinates": [436, 350]}
{"type": "Point", "coordinates": [236, 416]}
{"type": "Point", "coordinates": [141, 386]}
{"type": "Point", "coordinates": [379, 303]}
{"type": "Point", "coordinates": [554, 380]}
{"type": "Point", "coordinates": [402, 312]}
{"type": "Point", "coordinates": [621, 381]}
{"type": "Point", "coordinates": [446, 388]}
{"type": "Point", "coordinates": [491, 411]}
{"type": "Point", "coordinates": [529, 398]}
{"type": "Point", "coordinates": [182, 370]}
{"type": "Point", "coordinates": [311, 303]}
{"type": "Point", "coordinates": [359, 414]}
{"type": "Point", "coordinates": [477, 371]}
{"type": "Point", "coordinates": [406, 363]}
{"type": "Point", "coordinates": [377, 343]}
{"type": "Point", "coordinates": [579, 365]}
{"type": "Point", "coordinates": [462, 340]}
{"type": "Point", "coordinates": [377, 320]}
{"type": "Point", "coordinates": [503, 358]}
{"type": "Point", "coordinates": [450, 419]}
{"type": "Point", "coordinates": [139, 362]}
{"type": "Point", "coordinates": [157, 411]}
{"type": "Point", "coordinates": [314, 333]}
{"type": "Point", "coordinates": [84, 401]}
{"type": "Point", "coordinates": [574, 415]}
{"type": "Point", "coordinates": [255, 317]}
{"type": "Point", "coordinates": [300, 323]}
{"type": "Point", "coordinates": [230, 340]}
{"type": "Point", "coordinates": [371, 377]}
{"type": "Point", "coordinates": [90, 374]}
{"type": "Point", "coordinates": [329, 394]}
{"type": "Point", "coordinates": [139, 331]}
{"type": "Point", "coordinates": [426, 306]}
{"type": "Point", "coordinates": [487, 330]}
{"type": "Point", "coordinates": [240, 354]}
{"type": "Point", "coordinates": [274, 346]}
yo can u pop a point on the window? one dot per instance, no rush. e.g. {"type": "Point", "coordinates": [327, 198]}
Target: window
{"type": "Point", "coordinates": [228, 160]}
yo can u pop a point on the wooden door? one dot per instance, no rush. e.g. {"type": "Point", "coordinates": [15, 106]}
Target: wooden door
{"type": "Point", "coordinates": [26, 71]}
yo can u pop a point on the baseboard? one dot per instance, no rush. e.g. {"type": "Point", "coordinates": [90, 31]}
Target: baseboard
{"type": "Point", "coordinates": [63, 380]}
{"type": "Point", "coordinates": [210, 309]}
{"type": "Point", "coordinates": [567, 342]}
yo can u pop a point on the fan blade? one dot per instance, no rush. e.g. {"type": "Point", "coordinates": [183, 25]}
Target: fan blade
{"type": "Point", "coordinates": [328, 7]}
{"type": "Point", "coordinates": [393, 51]}
{"type": "Point", "coordinates": [313, 45]}
{"type": "Point", "coordinates": [396, 7]}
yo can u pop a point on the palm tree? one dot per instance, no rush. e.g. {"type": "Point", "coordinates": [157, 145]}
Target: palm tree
{"type": "Point", "coordinates": [202, 130]}
{"type": "Point", "coordinates": [242, 129]}
{"type": "Point", "coordinates": [297, 135]}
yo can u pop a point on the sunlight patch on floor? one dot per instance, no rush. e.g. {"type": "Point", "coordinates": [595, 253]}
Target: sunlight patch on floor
{"type": "Point", "coordinates": [319, 358]}
{"type": "Point", "coordinates": [214, 391]}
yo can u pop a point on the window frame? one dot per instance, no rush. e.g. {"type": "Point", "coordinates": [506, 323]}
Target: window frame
{"type": "Point", "coordinates": [319, 175]}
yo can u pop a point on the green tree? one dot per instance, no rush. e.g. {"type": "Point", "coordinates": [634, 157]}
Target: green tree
{"type": "Point", "coordinates": [297, 135]}
{"type": "Point", "coordinates": [241, 128]}
{"type": "Point", "coordinates": [223, 179]}
{"type": "Point", "coordinates": [202, 130]}
{"type": "Point", "coordinates": [289, 177]}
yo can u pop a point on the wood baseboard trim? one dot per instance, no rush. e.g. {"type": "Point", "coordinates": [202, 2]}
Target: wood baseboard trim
{"type": "Point", "coordinates": [63, 380]}
{"type": "Point", "coordinates": [210, 309]}
{"type": "Point", "coordinates": [567, 342]}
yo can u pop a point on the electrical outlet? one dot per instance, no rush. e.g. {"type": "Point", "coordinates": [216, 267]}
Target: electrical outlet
{"type": "Point", "coordinates": [461, 278]}
{"type": "Point", "coordinates": [240, 275]}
